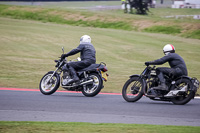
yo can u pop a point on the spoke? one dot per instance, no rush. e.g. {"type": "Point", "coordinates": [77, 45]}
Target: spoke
{"type": "Point", "coordinates": [133, 89]}
{"type": "Point", "coordinates": [92, 88]}
{"type": "Point", "coordinates": [48, 86]}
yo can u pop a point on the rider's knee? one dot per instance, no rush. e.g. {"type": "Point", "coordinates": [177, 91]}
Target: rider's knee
{"type": "Point", "coordinates": [158, 70]}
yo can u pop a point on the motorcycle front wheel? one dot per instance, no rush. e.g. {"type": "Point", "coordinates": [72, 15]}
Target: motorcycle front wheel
{"type": "Point", "coordinates": [184, 97]}
{"type": "Point", "coordinates": [132, 90]}
{"type": "Point", "coordinates": [49, 86]}
{"type": "Point", "coordinates": [92, 90]}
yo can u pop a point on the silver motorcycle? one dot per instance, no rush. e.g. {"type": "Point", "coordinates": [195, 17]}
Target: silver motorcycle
{"type": "Point", "coordinates": [90, 83]}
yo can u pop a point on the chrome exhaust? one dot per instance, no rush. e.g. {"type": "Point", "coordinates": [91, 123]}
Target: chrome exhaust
{"type": "Point", "coordinates": [83, 83]}
{"type": "Point", "coordinates": [87, 82]}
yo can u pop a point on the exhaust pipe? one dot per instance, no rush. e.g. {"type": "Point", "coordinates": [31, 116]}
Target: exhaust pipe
{"type": "Point", "coordinates": [83, 83]}
{"type": "Point", "coordinates": [87, 82]}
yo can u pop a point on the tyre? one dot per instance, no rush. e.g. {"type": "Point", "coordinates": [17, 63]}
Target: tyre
{"type": "Point", "coordinates": [93, 89]}
{"type": "Point", "coordinates": [50, 87]}
{"type": "Point", "coordinates": [184, 97]}
{"type": "Point", "coordinates": [133, 89]}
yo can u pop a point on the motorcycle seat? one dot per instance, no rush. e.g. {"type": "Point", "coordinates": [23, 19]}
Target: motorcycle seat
{"type": "Point", "coordinates": [92, 66]}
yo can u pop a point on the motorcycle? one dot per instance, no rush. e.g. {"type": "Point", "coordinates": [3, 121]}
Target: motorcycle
{"type": "Point", "coordinates": [90, 83]}
{"type": "Point", "coordinates": [180, 89]}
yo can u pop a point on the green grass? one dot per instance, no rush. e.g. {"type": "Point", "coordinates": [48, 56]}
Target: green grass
{"type": "Point", "coordinates": [193, 34]}
{"type": "Point", "coordinates": [45, 15]}
{"type": "Point", "coordinates": [28, 48]}
{"type": "Point", "coordinates": [164, 29]}
{"type": "Point", "coordinates": [70, 127]}
{"type": "Point", "coordinates": [155, 22]}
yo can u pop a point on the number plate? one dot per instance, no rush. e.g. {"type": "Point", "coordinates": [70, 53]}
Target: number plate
{"type": "Point", "coordinates": [104, 76]}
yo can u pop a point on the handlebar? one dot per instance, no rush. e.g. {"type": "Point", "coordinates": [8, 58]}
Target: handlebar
{"type": "Point", "coordinates": [56, 61]}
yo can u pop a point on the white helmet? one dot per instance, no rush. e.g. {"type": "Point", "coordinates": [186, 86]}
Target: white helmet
{"type": "Point", "coordinates": [85, 38]}
{"type": "Point", "coordinates": [168, 49]}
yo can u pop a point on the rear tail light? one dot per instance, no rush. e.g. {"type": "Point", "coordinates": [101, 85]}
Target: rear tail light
{"type": "Point", "coordinates": [105, 69]}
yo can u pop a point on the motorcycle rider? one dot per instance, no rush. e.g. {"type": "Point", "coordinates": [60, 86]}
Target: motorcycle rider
{"type": "Point", "coordinates": [176, 62]}
{"type": "Point", "coordinates": [87, 55]}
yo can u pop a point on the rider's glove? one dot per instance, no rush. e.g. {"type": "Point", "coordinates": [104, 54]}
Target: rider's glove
{"type": "Point", "coordinates": [63, 56]}
{"type": "Point", "coordinates": [147, 63]}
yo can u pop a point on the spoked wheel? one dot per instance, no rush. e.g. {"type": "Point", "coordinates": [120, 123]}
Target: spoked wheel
{"type": "Point", "coordinates": [133, 89]}
{"type": "Point", "coordinates": [94, 88]}
{"type": "Point", "coordinates": [183, 97]}
{"type": "Point", "coordinates": [49, 86]}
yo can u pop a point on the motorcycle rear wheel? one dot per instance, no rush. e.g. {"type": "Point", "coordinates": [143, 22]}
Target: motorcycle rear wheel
{"type": "Point", "coordinates": [186, 96]}
{"type": "Point", "coordinates": [133, 89]}
{"type": "Point", "coordinates": [93, 89]}
{"type": "Point", "coordinates": [52, 86]}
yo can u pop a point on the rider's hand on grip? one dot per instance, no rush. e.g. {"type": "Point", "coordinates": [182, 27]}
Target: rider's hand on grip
{"type": "Point", "coordinates": [146, 63]}
{"type": "Point", "coordinates": [63, 56]}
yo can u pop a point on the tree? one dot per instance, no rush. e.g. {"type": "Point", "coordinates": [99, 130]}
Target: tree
{"type": "Point", "coordinates": [141, 6]}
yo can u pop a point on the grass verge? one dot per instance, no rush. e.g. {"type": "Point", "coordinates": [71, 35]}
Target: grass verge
{"type": "Point", "coordinates": [193, 34]}
{"type": "Point", "coordinates": [114, 19]}
{"type": "Point", "coordinates": [72, 127]}
{"type": "Point", "coordinates": [47, 15]}
{"type": "Point", "coordinates": [164, 29]}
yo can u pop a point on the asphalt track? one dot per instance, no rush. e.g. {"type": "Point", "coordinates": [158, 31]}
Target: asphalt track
{"type": "Point", "coordinates": [31, 105]}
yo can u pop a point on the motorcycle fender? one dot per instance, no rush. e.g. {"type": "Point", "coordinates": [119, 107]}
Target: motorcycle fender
{"type": "Point", "coordinates": [189, 78]}
{"type": "Point", "coordinates": [135, 75]}
{"type": "Point", "coordinates": [184, 77]}
{"type": "Point", "coordinates": [100, 75]}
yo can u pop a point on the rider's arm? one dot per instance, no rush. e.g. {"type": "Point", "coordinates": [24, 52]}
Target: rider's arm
{"type": "Point", "coordinates": [74, 51]}
{"type": "Point", "coordinates": [160, 61]}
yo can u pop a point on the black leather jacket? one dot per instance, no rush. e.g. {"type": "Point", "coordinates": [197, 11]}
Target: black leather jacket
{"type": "Point", "coordinates": [174, 60]}
{"type": "Point", "coordinates": [87, 50]}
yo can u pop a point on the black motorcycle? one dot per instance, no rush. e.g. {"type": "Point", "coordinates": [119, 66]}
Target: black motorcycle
{"type": "Point", "coordinates": [90, 83]}
{"type": "Point", "coordinates": [180, 89]}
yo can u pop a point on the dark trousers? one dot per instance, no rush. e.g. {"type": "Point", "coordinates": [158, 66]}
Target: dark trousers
{"type": "Point", "coordinates": [80, 64]}
{"type": "Point", "coordinates": [161, 71]}
{"type": "Point", "coordinates": [74, 66]}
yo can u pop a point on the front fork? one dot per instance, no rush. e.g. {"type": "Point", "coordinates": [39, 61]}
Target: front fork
{"type": "Point", "coordinates": [143, 83]}
{"type": "Point", "coordinates": [57, 69]}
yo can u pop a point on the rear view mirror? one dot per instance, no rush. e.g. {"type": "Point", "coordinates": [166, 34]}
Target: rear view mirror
{"type": "Point", "coordinates": [63, 50]}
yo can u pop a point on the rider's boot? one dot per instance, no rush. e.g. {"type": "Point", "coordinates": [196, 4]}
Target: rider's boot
{"type": "Point", "coordinates": [162, 86]}
{"type": "Point", "coordinates": [74, 75]}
